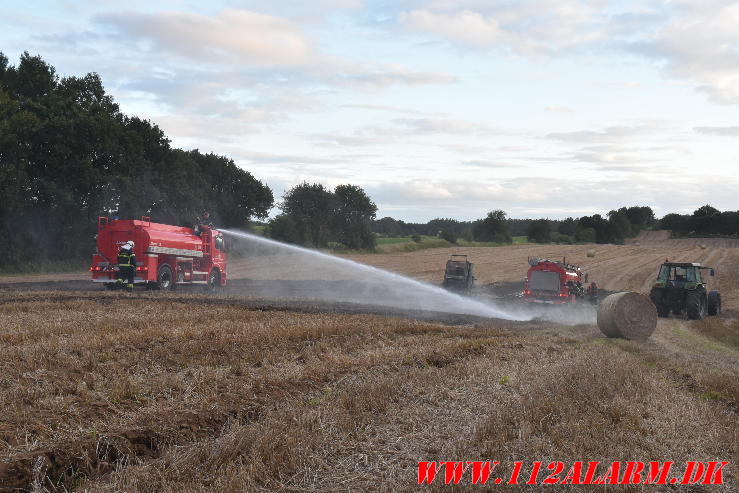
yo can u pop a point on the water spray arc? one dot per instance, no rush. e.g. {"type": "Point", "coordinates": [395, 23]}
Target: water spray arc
{"type": "Point", "coordinates": [383, 287]}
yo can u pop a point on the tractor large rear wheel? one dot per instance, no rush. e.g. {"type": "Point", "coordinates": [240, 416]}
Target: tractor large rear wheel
{"type": "Point", "coordinates": [695, 305]}
{"type": "Point", "coordinates": [714, 303]}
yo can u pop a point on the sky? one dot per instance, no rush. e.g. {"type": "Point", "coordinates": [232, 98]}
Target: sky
{"type": "Point", "coordinates": [437, 108]}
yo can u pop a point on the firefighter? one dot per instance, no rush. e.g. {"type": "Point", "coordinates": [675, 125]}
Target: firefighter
{"type": "Point", "coordinates": [203, 220]}
{"type": "Point", "coordinates": [593, 293]}
{"type": "Point", "coordinates": [126, 266]}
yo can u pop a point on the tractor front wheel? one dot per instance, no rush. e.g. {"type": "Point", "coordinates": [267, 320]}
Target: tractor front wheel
{"type": "Point", "coordinates": [657, 297]}
{"type": "Point", "coordinates": [695, 305]}
{"type": "Point", "coordinates": [714, 303]}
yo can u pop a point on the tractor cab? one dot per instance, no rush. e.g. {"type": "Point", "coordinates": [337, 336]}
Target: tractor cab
{"type": "Point", "coordinates": [680, 288]}
{"type": "Point", "coordinates": [681, 274]}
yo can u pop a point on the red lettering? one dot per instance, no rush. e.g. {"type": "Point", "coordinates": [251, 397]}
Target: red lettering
{"type": "Point", "coordinates": [632, 474]}
{"type": "Point", "coordinates": [592, 468]}
{"type": "Point", "coordinates": [711, 471]}
{"type": "Point", "coordinates": [533, 477]}
{"type": "Point", "coordinates": [556, 468]}
{"type": "Point", "coordinates": [481, 470]}
{"type": "Point", "coordinates": [610, 477]}
{"type": "Point", "coordinates": [516, 472]}
{"type": "Point", "coordinates": [454, 471]}
{"type": "Point", "coordinates": [574, 474]}
{"type": "Point", "coordinates": [693, 472]}
{"type": "Point", "coordinates": [427, 471]}
{"type": "Point", "coordinates": [658, 471]}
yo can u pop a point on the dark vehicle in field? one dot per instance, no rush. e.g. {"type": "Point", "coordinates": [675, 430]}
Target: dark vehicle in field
{"type": "Point", "coordinates": [681, 289]}
{"type": "Point", "coordinates": [458, 274]}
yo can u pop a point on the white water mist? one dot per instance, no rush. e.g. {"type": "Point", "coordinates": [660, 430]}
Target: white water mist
{"type": "Point", "coordinates": [381, 287]}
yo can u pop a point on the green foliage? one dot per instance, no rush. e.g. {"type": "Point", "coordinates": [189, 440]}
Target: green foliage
{"type": "Point", "coordinates": [705, 221]}
{"type": "Point", "coordinates": [585, 235]}
{"type": "Point", "coordinates": [561, 239]}
{"type": "Point", "coordinates": [493, 228]}
{"type": "Point", "coordinates": [353, 213]}
{"type": "Point", "coordinates": [69, 155]}
{"type": "Point", "coordinates": [567, 227]}
{"type": "Point", "coordinates": [416, 238]}
{"type": "Point", "coordinates": [315, 216]}
{"type": "Point", "coordinates": [540, 231]}
{"type": "Point", "coordinates": [448, 236]}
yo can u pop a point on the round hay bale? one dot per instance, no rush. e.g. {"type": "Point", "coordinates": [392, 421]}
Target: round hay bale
{"type": "Point", "coordinates": [591, 252]}
{"type": "Point", "coordinates": [628, 315]}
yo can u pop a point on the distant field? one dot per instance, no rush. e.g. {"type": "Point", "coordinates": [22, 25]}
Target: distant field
{"type": "Point", "coordinates": [406, 244]}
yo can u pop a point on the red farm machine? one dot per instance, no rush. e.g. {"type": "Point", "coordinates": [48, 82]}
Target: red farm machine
{"type": "Point", "coordinates": [556, 283]}
{"type": "Point", "coordinates": [167, 257]}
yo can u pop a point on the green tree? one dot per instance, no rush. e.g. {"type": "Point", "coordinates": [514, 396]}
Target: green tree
{"type": "Point", "coordinates": [388, 226]}
{"type": "Point", "coordinates": [585, 235]}
{"type": "Point", "coordinates": [619, 226]}
{"type": "Point", "coordinates": [493, 228]}
{"type": "Point", "coordinates": [540, 231]}
{"type": "Point", "coordinates": [353, 214]}
{"type": "Point", "coordinates": [311, 208]}
{"type": "Point", "coordinates": [567, 227]}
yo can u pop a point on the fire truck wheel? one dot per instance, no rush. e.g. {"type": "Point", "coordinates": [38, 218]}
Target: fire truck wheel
{"type": "Point", "coordinates": [214, 281]}
{"type": "Point", "coordinates": [164, 278]}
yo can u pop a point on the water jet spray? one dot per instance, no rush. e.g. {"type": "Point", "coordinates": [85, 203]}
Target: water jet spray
{"type": "Point", "coordinates": [381, 287]}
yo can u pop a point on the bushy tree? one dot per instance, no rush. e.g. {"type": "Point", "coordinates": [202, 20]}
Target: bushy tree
{"type": "Point", "coordinates": [353, 213]}
{"type": "Point", "coordinates": [493, 228]}
{"type": "Point", "coordinates": [313, 215]}
{"type": "Point", "coordinates": [539, 231]}
{"type": "Point", "coordinates": [310, 207]}
{"type": "Point", "coordinates": [567, 227]}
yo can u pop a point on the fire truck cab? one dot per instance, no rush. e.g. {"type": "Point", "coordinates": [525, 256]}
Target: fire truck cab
{"type": "Point", "coordinates": [554, 282]}
{"type": "Point", "coordinates": [167, 257]}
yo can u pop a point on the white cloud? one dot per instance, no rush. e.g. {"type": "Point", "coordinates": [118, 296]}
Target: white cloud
{"type": "Point", "coordinates": [721, 131]}
{"type": "Point", "coordinates": [230, 36]}
{"type": "Point", "coordinates": [702, 44]}
{"type": "Point", "coordinates": [436, 126]}
{"type": "Point", "coordinates": [467, 27]}
{"type": "Point", "coordinates": [559, 109]}
{"type": "Point", "coordinates": [526, 26]}
{"type": "Point", "coordinates": [609, 134]}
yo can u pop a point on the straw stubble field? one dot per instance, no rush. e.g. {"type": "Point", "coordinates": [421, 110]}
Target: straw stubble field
{"type": "Point", "coordinates": [106, 392]}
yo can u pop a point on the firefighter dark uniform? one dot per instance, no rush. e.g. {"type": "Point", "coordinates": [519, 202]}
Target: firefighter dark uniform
{"type": "Point", "coordinates": [205, 220]}
{"type": "Point", "coordinates": [126, 266]}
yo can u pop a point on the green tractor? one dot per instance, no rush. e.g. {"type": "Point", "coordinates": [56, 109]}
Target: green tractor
{"type": "Point", "coordinates": [680, 289]}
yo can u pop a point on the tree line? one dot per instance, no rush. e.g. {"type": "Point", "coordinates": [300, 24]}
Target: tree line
{"type": "Point", "coordinates": [705, 221]}
{"type": "Point", "coordinates": [614, 227]}
{"type": "Point", "coordinates": [68, 155]}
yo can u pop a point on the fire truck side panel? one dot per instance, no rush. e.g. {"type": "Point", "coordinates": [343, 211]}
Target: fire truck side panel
{"type": "Point", "coordinates": [191, 258]}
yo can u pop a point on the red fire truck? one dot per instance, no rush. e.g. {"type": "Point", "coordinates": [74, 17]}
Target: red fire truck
{"type": "Point", "coordinates": [556, 283]}
{"type": "Point", "coordinates": [167, 257]}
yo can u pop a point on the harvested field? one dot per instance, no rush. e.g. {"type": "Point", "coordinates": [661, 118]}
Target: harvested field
{"type": "Point", "coordinates": [183, 392]}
